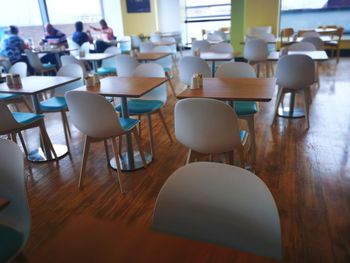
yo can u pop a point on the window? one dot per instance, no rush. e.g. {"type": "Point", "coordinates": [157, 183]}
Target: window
{"type": "Point", "coordinates": [205, 15]}
{"type": "Point", "coordinates": [24, 14]}
{"type": "Point", "coordinates": [64, 13]}
{"type": "Point", "coordinates": [306, 14]}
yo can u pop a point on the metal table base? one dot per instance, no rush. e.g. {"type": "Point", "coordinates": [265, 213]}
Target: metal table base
{"type": "Point", "coordinates": [128, 166]}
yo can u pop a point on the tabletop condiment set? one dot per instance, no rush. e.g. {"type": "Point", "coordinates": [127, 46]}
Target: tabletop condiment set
{"type": "Point", "coordinates": [13, 81]}
{"type": "Point", "coordinates": [92, 81]}
{"type": "Point", "coordinates": [197, 81]}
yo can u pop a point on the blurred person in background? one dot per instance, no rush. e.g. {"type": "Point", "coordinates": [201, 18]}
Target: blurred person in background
{"type": "Point", "coordinates": [106, 35]}
{"type": "Point", "coordinates": [79, 36]}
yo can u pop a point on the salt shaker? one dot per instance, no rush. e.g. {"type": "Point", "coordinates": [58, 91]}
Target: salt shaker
{"type": "Point", "coordinates": [200, 81]}
{"type": "Point", "coordinates": [194, 84]}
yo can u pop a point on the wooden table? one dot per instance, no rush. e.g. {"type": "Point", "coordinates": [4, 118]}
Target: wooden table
{"type": "Point", "coordinates": [127, 87]}
{"type": "Point", "coordinates": [148, 56]}
{"type": "Point", "coordinates": [216, 56]}
{"type": "Point", "coordinates": [90, 240]}
{"type": "Point", "coordinates": [245, 89]}
{"type": "Point", "coordinates": [315, 55]}
{"type": "Point", "coordinates": [94, 57]}
{"type": "Point", "coordinates": [32, 86]}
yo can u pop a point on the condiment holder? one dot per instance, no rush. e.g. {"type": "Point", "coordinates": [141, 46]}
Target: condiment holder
{"type": "Point", "coordinates": [197, 81]}
{"type": "Point", "coordinates": [81, 53]}
{"type": "Point", "coordinates": [196, 52]}
{"type": "Point", "coordinates": [92, 81]}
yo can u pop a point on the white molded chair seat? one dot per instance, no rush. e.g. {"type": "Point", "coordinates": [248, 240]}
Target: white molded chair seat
{"type": "Point", "coordinates": [202, 45]}
{"type": "Point", "coordinates": [190, 65]}
{"type": "Point", "coordinates": [95, 117]}
{"type": "Point", "coordinates": [316, 41]}
{"type": "Point", "coordinates": [35, 62]}
{"type": "Point", "coordinates": [302, 46]}
{"type": "Point", "coordinates": [15, 220]}
{"type": "Point", "coordinates": [108, 66]}
{"type": "Point", "coordinates": [256, 52]}
{"type": "Point", "coordinates": [220, 204]}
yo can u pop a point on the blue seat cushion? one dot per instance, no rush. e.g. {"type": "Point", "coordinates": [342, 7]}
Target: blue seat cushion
{"type": "Point", "coordinates": [53, 104]}
{"type": "Point", "coordinates": [11, 241]}
{"type": "Point", "coordinates": [139, 106]}
{"type": "Point", "coordinates": [243, 135]}
{"type": "Point", "coordinates": [128, 123]}
{"type": "Point", "coordinates": [167, 69]}
{"type": "Point", "coordinates": [245, 107]}
{"type": "Point", "coordinates": [26, 117]}
{"type": "Point", "coordinates": [9, 96]}
{"type": "Point", "coordinates": [49, 66]}
{"type": "Point", "coordinates": [105, 71]}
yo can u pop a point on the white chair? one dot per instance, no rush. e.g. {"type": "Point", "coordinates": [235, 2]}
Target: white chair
{"type": "Point", "coordinates": [69, 59]}
{"type": "Point", "coordinates": [220, 204]}
{"type": "Point", "coordinates": [15, 219]}
{"type": "Point", "coordinates": [190, 65]}
{"type": "Point", "coordinates": [201, 45]}
{"type": "Point", "coordinates": [244, 109]}
{"type": "Point", "coordinates": [135, 42]}
{"type": "Point", "coordinates": [172, 47]}
{"type": "Point", "coordinates": [96, 118]}
{"type": "Point", "coordinates": [302, 46]}
{"type": "Point", "coordinates": [74, 46]}
{"type": "Point", "coordinates": [146, 47]}
{"type": "Point", "coordinates": [85, 47]}
{"type": "Point", "coordinates": [57, 103]}
{"type": "Point", "coordinates": [36, 64]}
{"type": "Point", "coordinates": [310, 34]}
{"type": "Point", "coordinates": [152, 102]}
{"type": "Point", "coordinates": [221, 48]}
{"type": "Point", "coordinates": [216, 36]}
{"type": "Point", "coordinates": [108, 66]}
{"type": "Point", "coordinates": [316, 41]}
{"type": "Point", "coordinates": [256, 52]}
{"type": "Point", "coordinates": [126, 65]}
{"type": "Point", "coordinates": [155, 37]}
{"type": "Point", "coordinates": [19, 68]}
{"type": "Point", "coordinates": [15, 122]}
{"type": "Point", "coordinates": [258, 30]}
{"type": "Point", "coordinates": [295, 73]}
{"type": "Point", "coordinates": [167, 65]}
{"type": "Point", "coordinates": [209, 127]}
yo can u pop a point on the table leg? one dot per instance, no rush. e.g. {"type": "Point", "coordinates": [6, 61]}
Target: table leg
{"type": "Point", "coordinates": [94, 66]}
{"type": "Point", "coordinates": [129, 160]}
{"type": "Point", "coordinates": [43, 153]}
{"type": "Point", "coordinates": [58, 59]}
{"type": "Point", "coordinates": [291, 111]}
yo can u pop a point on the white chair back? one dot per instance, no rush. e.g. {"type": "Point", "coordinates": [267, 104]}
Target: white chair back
{"type": "Point", "coordinates": [166, 62]}
{"type": "Point", "coordinates": [110, 62]}
{"type": "Point", "coordinates": [135, 41]}
{"type": "Point", "coordinates": [19, 68]}
{"type": "Point", "coordinates": [202, 45]}
{"type": "Point", "coordinates": [155, 37]}
{"type": "Point", "coordinates": [207, 126]}
{"type": "Point", "coordinates": [255, 50]}
{"type": "Point", "coordinates": [92, 114]}
{"type": "Point", "coordinates": [85, 47]}
{"type": "Point", "coordinates": [70, 70]}
{"type": "Point", "coordinates": [74, 46]}
{"type": "Point", "coordinates": [316, 41]}
{"type": "Point", "coordinates": [221, 48]}
{"type": "Point", "coordinates": [33, 60]}
{"type": "Point", "coordinates": [295, 71]}
{"type": "Point", "coordinates": [216, 36]}
{"type": "Point", "coordinates": [170, 40]}
{"type": "Point", "coordinates": [302, 46]}
{"type": "Point", "coordinates": [7, 121]}
{"type": "Point", "coordinates": [69, 59]}
{"type": "Point", "coordinates": [154, 71]}
{"type": "Point", "coordinates": [146, 47]}
{"type": "Point", "coordinates": [235, 70]}
{"type": "Point", "coordinates": [258, 30]}
{"type": "Point", "coordinates": [126, 65]}
{"type": "Point", "coordinates": [221, 204]}
{"type": "Point", "coordinates": [12, 187]}
{"type": "Point", "coordinates": [190, 65]}
{"type": "Point", "coordinates": [310, 34]}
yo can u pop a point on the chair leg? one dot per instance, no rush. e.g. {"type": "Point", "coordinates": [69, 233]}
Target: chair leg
{"type": "Point", "coordinates": [338, 53]}
{"type": "Point", "coordinates": [13, 137]}
{"type": "Point", "coordinates": [140, 125]}
{"type": "Point", "coordinates": [306, 104]}
{"type": "Point", "coordinates": [106, 150]}
{"type": "Point", "coordinates": [190, 156]}
{"type": "Point", "coordinates": [150, 133]}
{"type": "Point", "coordinates": [251, 128]}
{"type": "Point", "coordinates": [120, 144]}
{"type": "Point", "coordinates": [278, 101]}
{"type": "Point", "coordinates": [27, 105]}
{"type": "Point", "coordinates": [171, 84]}
{"type": "Point", "coordinates": [117, 161]}
{"type": "Point", "coordinates": [138, 142]}
{"type": "Point", "coordinates": [241, 157]}
{"type": "Point", "coordinates": [23, 143]}
{"type": "Point", "coordinates": [164, 125]}
{"type": "Point", "coordinates": [65, 124]}
{"type": "Point", "coordinates": [47, 140]}
{"type": "Point", "coordinates": [83, 163]}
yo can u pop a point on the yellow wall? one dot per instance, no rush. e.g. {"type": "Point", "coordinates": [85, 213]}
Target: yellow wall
{"type": "Point", "coordinates": [137, 23]}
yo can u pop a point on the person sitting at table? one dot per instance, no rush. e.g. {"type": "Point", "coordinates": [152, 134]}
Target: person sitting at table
{"type": "Point", "coordinates": [79, 36]}
{"type": "Point", "coordinates": [107, 36]}
{"type": "Point", "coordinates": [12, 47]}
{"type": "Point", "coordinates": [53, 37]}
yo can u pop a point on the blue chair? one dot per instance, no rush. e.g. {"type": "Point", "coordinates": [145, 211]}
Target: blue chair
{"type": "Point", "coordinates": [244, 109]}
{"type": "Point", "coordinates": [58, 103]}
{"type": "Point", "coordinates": [108, 66]}
{"type": "Point", "coordinates": [15, 122]}
{"type": "Point", "coordinates": [152, 102]}
{"type": "Point", "coordinates": [15, 217]}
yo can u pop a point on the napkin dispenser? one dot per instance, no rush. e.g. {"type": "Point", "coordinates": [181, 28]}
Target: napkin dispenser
{"type": "Point", "coordinates": [197, 81]}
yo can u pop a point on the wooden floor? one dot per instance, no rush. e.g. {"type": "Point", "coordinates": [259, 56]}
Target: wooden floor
{"type": "Point", "coordinates": [307, 172]}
